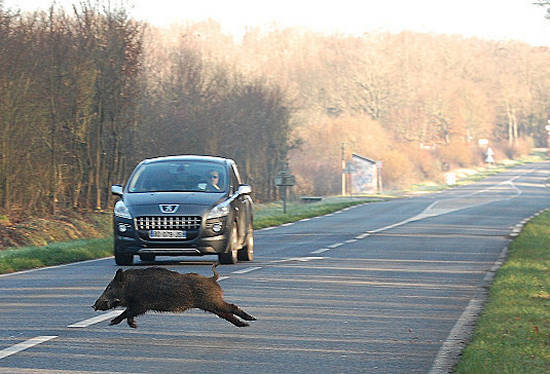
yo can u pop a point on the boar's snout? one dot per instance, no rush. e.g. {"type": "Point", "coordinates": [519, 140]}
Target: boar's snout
{"type": "Point", "coordinates": [105, 304]}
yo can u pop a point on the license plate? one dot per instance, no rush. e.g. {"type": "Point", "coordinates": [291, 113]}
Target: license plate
{"type": "Point", "coordinates": [167, 234]}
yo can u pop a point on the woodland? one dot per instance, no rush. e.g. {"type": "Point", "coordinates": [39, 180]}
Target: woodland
{"type": "Point", "coordinates": [87, 93]}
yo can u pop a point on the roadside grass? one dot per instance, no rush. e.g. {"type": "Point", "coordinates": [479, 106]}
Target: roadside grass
{"type": "Point", "coordinates": [513, 332]}
{"type": "Point", "coordinates": [265, 215]}
{"type": "Point", "coordinates": [16, 259]}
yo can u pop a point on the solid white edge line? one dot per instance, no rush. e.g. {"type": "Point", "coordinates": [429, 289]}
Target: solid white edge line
{"type": "Point", "coordinates": [455, 342]}
{"type": "Point", "coordinates": [458, 338]}
{"type": "Point", "coordinates": [53, 267]}
{"type": "Point", "coordinates": [97, 319]}
{"type": "Point", "coordinates": [25, 345]}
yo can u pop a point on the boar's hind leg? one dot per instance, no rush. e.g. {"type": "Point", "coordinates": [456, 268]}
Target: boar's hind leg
{"type": "Point", "coordinates": [231, 318]}
{"type": "Point", "coordinates": [226, 311]}
{"type": "Point", "coordinates": [241, 313]}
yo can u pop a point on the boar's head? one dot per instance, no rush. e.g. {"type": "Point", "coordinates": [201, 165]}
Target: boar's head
{"type": "Point", "coordinates": [113, 294]}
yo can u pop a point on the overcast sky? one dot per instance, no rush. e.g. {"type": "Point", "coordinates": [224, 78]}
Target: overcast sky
{"type": "Point", "coordinates": [488, 19]}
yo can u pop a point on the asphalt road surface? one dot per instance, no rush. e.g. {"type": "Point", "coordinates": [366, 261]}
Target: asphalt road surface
{"type": "Point", "coordinates": [387, 287]}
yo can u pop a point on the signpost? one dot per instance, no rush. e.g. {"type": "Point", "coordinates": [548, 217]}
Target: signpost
{"type": "Point", "coordinates": [284, 179]}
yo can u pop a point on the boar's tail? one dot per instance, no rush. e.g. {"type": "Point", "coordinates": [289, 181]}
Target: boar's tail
{"type": "Point", "coordinates": [215, 277]}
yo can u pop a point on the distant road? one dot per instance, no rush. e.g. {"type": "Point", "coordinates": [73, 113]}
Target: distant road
{"type": "Point", "coordinates": [387, 287]}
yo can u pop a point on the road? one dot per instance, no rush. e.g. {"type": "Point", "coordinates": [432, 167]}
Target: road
{"type": "Point", "coordinates": [386, 287]}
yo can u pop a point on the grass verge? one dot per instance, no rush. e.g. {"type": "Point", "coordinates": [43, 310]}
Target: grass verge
{"type": "Point", "coordinates": [513, 332]}
{"type": "Point", "coordinates": [266, 215]}
{"type": "Point", "coordinates": [17, 259]}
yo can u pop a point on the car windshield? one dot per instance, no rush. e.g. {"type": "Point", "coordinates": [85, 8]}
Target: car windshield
{"type": "Point", "coordinates": [179, 176]}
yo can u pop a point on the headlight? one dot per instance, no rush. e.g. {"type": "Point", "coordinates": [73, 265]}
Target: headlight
{"type": "Point", "coordinates": [121, 210]}
{"type": "Point", "coordinates": [220, 210]}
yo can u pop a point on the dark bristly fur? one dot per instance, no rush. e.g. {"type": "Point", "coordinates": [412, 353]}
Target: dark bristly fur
{"type": "Point", "coordinates": [162, 290]}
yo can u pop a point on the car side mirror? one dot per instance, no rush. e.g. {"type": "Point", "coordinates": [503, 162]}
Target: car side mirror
{"type": "Point", "coordinates": [116, 190]}
{"type": "Point", "coordinates": [244, 189]}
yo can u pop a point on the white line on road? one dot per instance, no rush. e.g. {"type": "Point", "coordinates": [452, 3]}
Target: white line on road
{"type": "Point", "coordinates": [94, 320]}
{"type": "Point", "coordinates": [300, 259]}
{"type": "Point", "coordinates": [336, 245]}
{"type": "Point", "coordinates": [317, 251]}
{"type": "Point", "coordinates": [456, 341]}
{"type": "Point", "coordinates": [247, 270]}
{"type": "Point", "coordinates": [362, 236]}
{"type": "Point", "coordinates": [350, 241]}
{"type": "Point", "coordinates": [24, 345]}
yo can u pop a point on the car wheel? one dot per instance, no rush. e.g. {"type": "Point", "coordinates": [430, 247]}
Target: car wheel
{"type": "Point", "coordinates": [230, 254]}
{"type": "Point", "coordinates": [247, 252]}
{"type": "Point", "coordinates": [123, 259]}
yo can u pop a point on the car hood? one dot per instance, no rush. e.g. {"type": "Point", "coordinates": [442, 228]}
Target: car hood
{"type": "Point", "coordinates": [189, 203]}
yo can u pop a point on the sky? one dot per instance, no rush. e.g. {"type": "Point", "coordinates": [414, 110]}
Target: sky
{"type": "Point", "coordinates": [486, 19]}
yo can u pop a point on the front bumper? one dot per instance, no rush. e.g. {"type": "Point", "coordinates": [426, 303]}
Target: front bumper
{"type": "Point", "coordinates": [198, 243]}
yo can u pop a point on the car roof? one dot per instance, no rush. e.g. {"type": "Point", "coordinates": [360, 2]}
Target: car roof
{"type": "Point", "coordinates": [217, 159]}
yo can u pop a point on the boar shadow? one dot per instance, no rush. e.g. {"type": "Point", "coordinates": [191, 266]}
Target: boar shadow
{"type": "Point", "coordinates": [162, 290]}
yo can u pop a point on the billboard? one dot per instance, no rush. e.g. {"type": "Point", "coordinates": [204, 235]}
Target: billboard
{"type": "Point", "coordinates": [364, 175]}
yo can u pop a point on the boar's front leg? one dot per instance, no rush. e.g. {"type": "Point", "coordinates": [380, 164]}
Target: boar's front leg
{"type": "Point", "coordinates": [129, 315]}
{"type": "Point", "coordinates": [119, 318]}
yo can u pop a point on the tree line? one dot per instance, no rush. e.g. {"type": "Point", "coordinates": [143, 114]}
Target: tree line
{"type": "Point", "coordinates": [88, 92]}
{"type": "Point", "coordinates": [81, 102]}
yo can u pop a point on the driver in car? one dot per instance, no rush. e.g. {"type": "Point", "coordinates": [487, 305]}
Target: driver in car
{"type": "Point", "coordinates": [213, 180]}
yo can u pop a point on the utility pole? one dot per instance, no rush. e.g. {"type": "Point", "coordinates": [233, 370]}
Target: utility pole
{"type": "Point", "coordinates": [343, 170]}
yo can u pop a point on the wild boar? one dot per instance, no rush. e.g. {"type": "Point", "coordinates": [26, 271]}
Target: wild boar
{"type": "Point", "coordinates": [162, 290]}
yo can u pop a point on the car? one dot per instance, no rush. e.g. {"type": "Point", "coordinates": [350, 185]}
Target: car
{"type": "Point", "coordinates": [186, 205]}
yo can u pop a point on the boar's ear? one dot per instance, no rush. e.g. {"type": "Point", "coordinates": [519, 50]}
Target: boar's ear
{"type": "Point", "coordinates": [119, 276]}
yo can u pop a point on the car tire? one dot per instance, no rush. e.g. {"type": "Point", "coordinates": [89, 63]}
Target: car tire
{"type": "Point", "coordinates": [230, 256]}
{"type": "Point", "coordinates": [247, 252]}
{"type": "Point", "coordinates": [123, 259]}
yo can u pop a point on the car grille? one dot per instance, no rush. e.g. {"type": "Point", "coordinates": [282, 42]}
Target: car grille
{"type": "Point", "coordinates": [168, 223]}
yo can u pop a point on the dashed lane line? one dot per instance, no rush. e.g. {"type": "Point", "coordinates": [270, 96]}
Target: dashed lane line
{"type": "Point", "coordinates": [25, 345]}
{"type": "Point", "coordinates": [247, 270]}
{"type": "Point", "coordinates": [317, 251]}
{"type": "Point", "coordinates": [97, 319]}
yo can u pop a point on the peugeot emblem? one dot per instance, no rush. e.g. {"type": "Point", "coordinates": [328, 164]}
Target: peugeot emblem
{"type": "Point", "coordinates": [168, 208]}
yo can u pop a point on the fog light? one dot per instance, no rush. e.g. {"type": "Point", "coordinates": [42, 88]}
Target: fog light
{"type": "Point", "coordinates": [122, 227]}
{"type": "Point", "coordinates": [217, 227]}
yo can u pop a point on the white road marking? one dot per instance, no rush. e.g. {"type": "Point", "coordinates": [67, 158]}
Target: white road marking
{"type": "Point", "coordinates": [287, 224]}
{"type": "Point", "coordinates": [456, 340]}
{"type": "Point", "coordinates": [301, 259]}
{"type": "Point", "coordinates": [24, 345]}
{"type": "Point", "coordinates": [222, 278]}
{"type": "Point", "coordinates": [336, 245]}
{"type": "Point", "coordinates": [247, 270]}
{"type": "Point", "coordinates": [350, 241]}
{"type": "Point", "coordinates": [267, 228]}
{"type": "Point", "coordinates": [97, 319]}
{"type": "Point", "coordinates": [362, 236]}
{"type": "Point", "coordinates": [317, 251]}
{"type": "Point", "coordinates": [52, 267]}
